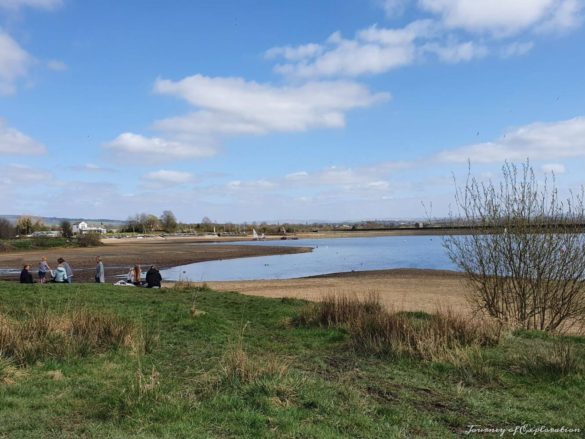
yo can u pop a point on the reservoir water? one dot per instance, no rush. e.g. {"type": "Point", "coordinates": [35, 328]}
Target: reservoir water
{"type": "Point", "coordinates": [328, 256]}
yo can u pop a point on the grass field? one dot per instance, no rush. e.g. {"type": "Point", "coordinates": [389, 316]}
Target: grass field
{"type": "Point", "coordinates": [87, 360]}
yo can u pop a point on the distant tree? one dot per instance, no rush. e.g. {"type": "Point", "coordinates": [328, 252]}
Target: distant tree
{"type": "Point", "coordinates": [149, 222]}
{"type": "Point", "coordinates": [206, 220]}
{"type": "Point", "coordinates": [24, 225]}
{"type": "Point", "coordinates": [66, 229]}
{"type": "Point", "coordinates": [7, 229]}
{"type": "Point", "coordinates": [38, 225]}
{"type": "Point", "coordinates": [168, 221]}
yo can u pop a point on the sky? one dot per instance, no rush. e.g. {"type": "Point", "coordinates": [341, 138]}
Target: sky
{"type": "Point", "coordinates": [262, 110]}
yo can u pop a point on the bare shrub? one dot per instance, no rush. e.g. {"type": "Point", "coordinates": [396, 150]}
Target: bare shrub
{"type": "Point", "coordinates": [525, 255]}
{"type": "Point", "coordinates": [7, 229]}
{"type": "Point", "coordinates": [89, 240]}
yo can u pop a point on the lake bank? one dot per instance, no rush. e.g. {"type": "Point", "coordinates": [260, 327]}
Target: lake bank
{"type": "Point", "coordinates": [119, 255]}
{"type": "Point", "coordinates": [399, 289]}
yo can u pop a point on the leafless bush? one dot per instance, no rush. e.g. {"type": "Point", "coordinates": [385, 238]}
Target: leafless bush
{"type": "Point", "coordinates": [89, 240]}
{"type": "Point", "coordinates": [7, 229]}
{"type": "Point", "coordinates": [525, 255]}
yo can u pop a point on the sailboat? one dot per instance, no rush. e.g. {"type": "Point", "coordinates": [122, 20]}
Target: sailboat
{"type": "Point", "coordinates": [255, 235]}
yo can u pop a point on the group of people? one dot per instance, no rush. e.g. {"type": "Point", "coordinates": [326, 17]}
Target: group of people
{"type": "Point", "coordinates": [64, 274]}
{"type": "Point", "coordinates": [152, 278]}
{"type": "Point", "coordinates": [61, 274]}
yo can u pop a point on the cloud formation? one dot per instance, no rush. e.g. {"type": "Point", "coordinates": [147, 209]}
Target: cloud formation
{"type": "Point", "coordinates": [166, 177]}
{"type": "Point", "coordinates": [13, 142]}
{"type": "Point", "coordinates": [14, 63]}
{"type": "Point", "coordinates": [505, 18]}
{"type": "Point", "coordinates": [226, 107]}
{"type": "Point", "coordinates": [537, 141]}
{"type": "Point", "coordinates": [138, 149]}
{"type": "Point", "coordinates": [234, 106]}
{"type": "Point", "coordinates": [35, 4]}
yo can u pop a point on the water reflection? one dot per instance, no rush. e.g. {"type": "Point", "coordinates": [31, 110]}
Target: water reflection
{"type": "Point", "coordinates": [328, 256]}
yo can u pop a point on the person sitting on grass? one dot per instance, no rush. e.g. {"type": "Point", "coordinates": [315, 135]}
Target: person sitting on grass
{"type": "Point", "coordinates": [60, 275]}
{"type": "Point", "coordinates": [153, 277]}
{"type": "Point", "coordinates": [26, 276]}
{"type": "Point", "coordinates": [134, 276]}
{"type": "Point", "coordinates": [67, 269]}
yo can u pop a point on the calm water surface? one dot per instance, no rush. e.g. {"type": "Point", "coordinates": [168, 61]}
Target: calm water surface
{"type": "Point", "coordinates": [328, 256]}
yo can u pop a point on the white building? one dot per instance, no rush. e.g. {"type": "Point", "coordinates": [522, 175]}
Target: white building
{"type": "Point", "coordinates": [83, 227]}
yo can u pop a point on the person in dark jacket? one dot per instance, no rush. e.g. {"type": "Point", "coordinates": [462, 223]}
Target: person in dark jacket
{"type": "Point", "coordinates": [153, 277]}
{"type": "Point", "coordinates": [26, 276]}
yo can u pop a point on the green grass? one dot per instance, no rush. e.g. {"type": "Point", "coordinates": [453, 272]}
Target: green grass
{"type": "Point", "coordinates": [241, 369]}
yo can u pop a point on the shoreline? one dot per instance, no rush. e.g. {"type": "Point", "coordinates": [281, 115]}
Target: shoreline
{"type": "Point", "coordinates": [402, 289]}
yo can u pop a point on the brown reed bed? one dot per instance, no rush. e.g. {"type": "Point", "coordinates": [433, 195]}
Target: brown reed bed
{"type": "Point", "coordinates": [373, 329]}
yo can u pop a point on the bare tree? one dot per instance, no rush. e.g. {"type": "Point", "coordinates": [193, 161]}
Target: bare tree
{"type": "Point", "coordinates": [24, 225]}
{"type": "Point", "coordinates": [7, 229]}
{"type": "Point", "coordinates": [168, 221]}
{"type": "Point", "coordinates": [525, 254]}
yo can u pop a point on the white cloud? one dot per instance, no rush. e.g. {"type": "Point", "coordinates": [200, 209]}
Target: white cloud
{"type": "Point", "coordinates": [38, 4]}
{"type": "Point", "coordinates": [394, 8]}
{"type": "Point", "coordinates": [374, 50]}
{"type": "Point", "coordinates": [91, 167]}
{"type": "Point", "coordinates": [13, 142]}
{"type": "Point", "coordinates": [167, 177]}
{"type": "Point", "coordinates": [516, 49]}
{"type": "Point", "coordinates": [566, 16]}
{"type": "Point", "coordinates": [56, 65]}
{"type": "Point", "coordinates": [504, 18]}
{"type": "Point", "coordinates": [20, 175]}
{"type": "Point", "coordinates": [453, 52]}
{"type": "Point", "coordinates": [554, 168]}
{"type": "Point", "coordinates": [537, 141]}
{"type": "Point", "coordinates": [135, 148]}
{"type": "Point", "coordinates": [14, 63]}
{"type": "Point", "coordinates": [294, 53]}
{"type": "Point", "coordinates": [229, 106]}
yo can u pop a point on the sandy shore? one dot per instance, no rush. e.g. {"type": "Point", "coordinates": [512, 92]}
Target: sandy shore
{"type": "Point", "coordinates": [402, 289]}
{"type": "Point", "coordinates": [119, 255]}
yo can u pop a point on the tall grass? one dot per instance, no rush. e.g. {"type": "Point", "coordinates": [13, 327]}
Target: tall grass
{"type": "Point", "coordinates": [372, 329]}
{"type": "Point", "coordinates": [42, 334]}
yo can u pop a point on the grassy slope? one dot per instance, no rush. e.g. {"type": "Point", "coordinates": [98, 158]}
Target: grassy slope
{"type": "Point", "coordinates": [304, 381]}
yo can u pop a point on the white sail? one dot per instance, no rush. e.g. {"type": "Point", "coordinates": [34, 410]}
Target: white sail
{"type": "Point", "coordinates": [254, 235]}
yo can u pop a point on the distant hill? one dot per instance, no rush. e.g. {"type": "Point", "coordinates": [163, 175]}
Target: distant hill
{"type": "Point", "coordinates": [54, 221]}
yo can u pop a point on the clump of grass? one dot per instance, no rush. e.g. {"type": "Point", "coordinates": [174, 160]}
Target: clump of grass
{"type": "Point", "coordinates": [372, 329]}
{"type": "Point", "coordinates": [550, 359]}
{"type": "Point", "coordinates": [238, 367]}
{"type": "Point", "coordinates": [41, 334]}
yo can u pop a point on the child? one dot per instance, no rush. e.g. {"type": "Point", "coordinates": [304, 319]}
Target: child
{"type": "Point", "coordinates": [43, 269]}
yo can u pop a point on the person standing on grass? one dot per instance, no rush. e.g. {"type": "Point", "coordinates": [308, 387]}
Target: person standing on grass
{"type": "Point", "coordinates": [43, 270]}
{"type": "Point", "coordinates": [100, 276]}
{"type": "Point", "coordinates": [67, 268]}
{"type": "Point", "coordinates": [26, 276]}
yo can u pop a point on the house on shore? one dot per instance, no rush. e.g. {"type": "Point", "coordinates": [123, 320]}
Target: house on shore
{"type": "Point", "coordinates": [82, 228]}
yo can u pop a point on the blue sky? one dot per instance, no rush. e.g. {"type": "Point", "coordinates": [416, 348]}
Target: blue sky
{"type": "Point", "coordinates": [282, 110]}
